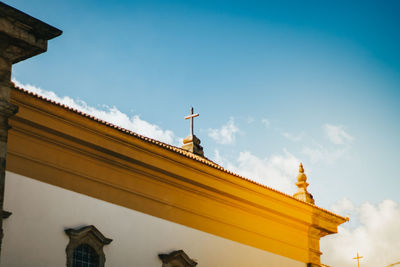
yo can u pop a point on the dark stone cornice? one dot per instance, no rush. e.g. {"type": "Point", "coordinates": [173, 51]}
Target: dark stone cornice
{"type": "Point", "coordinates": [37, 27]}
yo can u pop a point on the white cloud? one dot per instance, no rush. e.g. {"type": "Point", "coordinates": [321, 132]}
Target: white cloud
{"type": "Point", "coordinates": [277, 171]}
{"type": "Point", "coordinates": [337, 134]}
{"type": "Point", "coordinates": [218, 158]}
{"type": "Point", "coordinates": [109, 114]}
{"type": "Point", "coordinates": [319, 153]}
{"type": "Point", "coordinates": [376, 237]}
{"type": "Point", "coordinates": [250, 120]}
{"type": "Point", "coordinates": [225, 134]}
{"type": "Point", "coordinates": [293, 137]}
{"type": "Point", "coordinates": [266, 122]}
{"type": "Point", "coordinates": [343, 206]}
{"type": "Point", "coordinates": [329, 154]}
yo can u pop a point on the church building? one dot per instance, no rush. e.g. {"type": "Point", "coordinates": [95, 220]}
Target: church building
{"type": "Point", "coordinates": [79, 191]}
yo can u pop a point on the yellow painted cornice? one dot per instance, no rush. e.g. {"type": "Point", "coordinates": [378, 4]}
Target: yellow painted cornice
{"type": "Point", "coordinates": [57, 145]}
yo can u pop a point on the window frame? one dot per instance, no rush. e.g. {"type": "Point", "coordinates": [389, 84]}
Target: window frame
{"type": "Point", "coordinates": [177, 258]}
{"type": "Point", "coordinates": [84, 253]}
{"type": "Point", "coordinates": [86, 235]}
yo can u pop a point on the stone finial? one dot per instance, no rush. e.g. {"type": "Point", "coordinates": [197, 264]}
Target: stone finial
{"type": "Point", "coordinates": [192, 143]}
{"type": "Point", "coordinates": [302, 193]}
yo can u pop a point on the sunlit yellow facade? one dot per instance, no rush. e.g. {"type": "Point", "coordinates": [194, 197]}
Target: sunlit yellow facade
{"type": "Point", "coordinates": [60, 146]}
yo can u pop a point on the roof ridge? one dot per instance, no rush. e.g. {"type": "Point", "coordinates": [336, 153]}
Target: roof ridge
{"type": "Point", "coordinates": [173, 148]}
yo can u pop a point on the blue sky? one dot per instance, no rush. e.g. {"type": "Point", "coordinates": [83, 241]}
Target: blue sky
{"type": "Point", "coordinates": [275, 82]}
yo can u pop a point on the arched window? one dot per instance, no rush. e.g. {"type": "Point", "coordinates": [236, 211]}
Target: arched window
{"type": "Point", "coordinates": [85, 256]}
{"type": "Point", "coordinates": [85, 247]}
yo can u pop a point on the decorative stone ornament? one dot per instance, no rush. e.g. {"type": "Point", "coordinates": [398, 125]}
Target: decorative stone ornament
{"type": "Point", "coordinates": [177, 258]}
{"type": "Point", "coordinates": [302, 193]}
{"type": "Point", "coordinates": [88, 235]}
{"type": "Point", "coordinates": [192, 143]}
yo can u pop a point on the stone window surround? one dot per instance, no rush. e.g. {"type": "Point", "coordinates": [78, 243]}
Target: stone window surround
{"type": "Point", "coordinates": [177, 258]}
{"type": "Point", "coordinates": [86, 235]}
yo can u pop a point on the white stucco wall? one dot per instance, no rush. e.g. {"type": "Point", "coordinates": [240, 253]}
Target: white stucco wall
{"type": "Point", "coordinates": [34, 234]}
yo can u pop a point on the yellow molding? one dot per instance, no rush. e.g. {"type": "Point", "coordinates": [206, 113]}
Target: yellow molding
{"type": "Point", "coordinates": [54, 145]}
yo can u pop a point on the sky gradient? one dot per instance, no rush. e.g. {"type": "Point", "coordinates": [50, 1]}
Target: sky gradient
{"type": "Point", "coordinates": [275, 83]}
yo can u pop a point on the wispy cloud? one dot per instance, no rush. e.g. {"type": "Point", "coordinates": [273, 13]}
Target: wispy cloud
{"type": "Point", "coordinates": [342, 206]}
{"type": "Point", "coordinates": [319, 153]}
{"type": "Point", "coordinates": [376, 237]}
{"type": "Point", "coordinates": [336, 134]}
{"type": "Point", "coordinates": [109, 114]}
{"type": "Point", "coordinates": [226, 134]}
{"type": "Point", "coordinates": [293, 137]}
{"type": "Point", "coordinates": [266, 122]}
{"type": "Point", "coordinates": [338, 148]}
{"type": "Point", "coordinates": [250, 120]}
{"type": "Point", "coordinates": [277, 171]}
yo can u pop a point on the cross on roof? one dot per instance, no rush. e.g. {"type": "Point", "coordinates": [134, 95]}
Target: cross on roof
{"type": "Point", "coordinates": [191, 116]}
{"type": "Point", "coordinates": [358, 259]}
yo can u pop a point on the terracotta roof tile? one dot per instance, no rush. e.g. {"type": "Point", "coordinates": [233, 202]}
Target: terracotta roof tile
{"type": "Point", "coordinates": [175, 149]}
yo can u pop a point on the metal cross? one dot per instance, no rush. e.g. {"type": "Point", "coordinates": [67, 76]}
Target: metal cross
{"type": "Point", "coordinates": [191, 116]}
{"type": "Point", "coordinates": [358, 259]}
